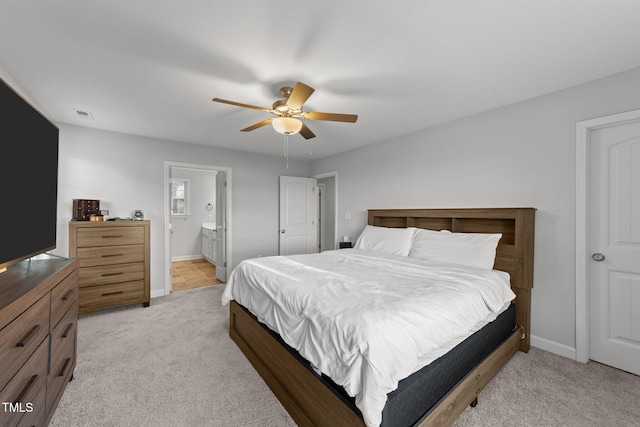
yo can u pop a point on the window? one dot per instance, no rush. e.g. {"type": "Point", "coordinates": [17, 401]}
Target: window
{"type": "Point", "coordinates": [180, 196]}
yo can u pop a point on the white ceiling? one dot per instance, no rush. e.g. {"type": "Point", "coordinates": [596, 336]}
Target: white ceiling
{"type": "Point", "coordinates": [151, 67]}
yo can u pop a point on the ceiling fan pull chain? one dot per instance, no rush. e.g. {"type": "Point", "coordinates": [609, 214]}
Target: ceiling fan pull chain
{"type": "Point", "coordinates": [286, 150]}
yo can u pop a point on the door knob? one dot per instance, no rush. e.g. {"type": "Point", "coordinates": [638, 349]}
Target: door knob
{"type": "Point", "coordinates": [282, 231]}
{"type": "Point", "coordinates": [598, 256]}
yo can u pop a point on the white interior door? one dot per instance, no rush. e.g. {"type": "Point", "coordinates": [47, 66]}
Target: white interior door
{"type": "Point", "coordinates": [221, 226]}
{"type": "Point", "coordinates": [298, 215]}
{"type": "Point", "coordinates": [614, 241]}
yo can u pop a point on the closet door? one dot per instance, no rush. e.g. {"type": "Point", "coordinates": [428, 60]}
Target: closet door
{"type": "Point", "coordinates": [298, 215]}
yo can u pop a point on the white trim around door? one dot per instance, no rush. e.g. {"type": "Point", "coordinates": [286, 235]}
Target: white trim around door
{"type": "Point", "coordinates": [583, 131]}
{"type": "Point", "coordinates": [335, 213]}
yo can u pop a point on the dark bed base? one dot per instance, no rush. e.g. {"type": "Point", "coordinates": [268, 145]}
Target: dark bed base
{"type": "Point", "coordinates": [417, 394]}
{"type": "Point", "coordinates": [420, 392]}
{"type": "Point", "coordinates": [311, 403]}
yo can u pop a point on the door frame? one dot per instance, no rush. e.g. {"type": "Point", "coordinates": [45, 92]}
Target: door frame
{"type": "Point", "coordinates": [583, 132]}
{"type": "Point", "coordinates": [333, 174]}
{"type": "Point", "coordinates": [167, 215]}
{"type": "Point", "coordinates": [321, 217]}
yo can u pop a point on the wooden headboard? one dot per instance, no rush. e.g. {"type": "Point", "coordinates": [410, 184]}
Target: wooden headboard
{"type": "Point", "coordinates": [513, 255]}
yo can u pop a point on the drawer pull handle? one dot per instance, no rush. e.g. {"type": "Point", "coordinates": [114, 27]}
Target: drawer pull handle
{"type": "Point", "coordinates": [67, 295]}
{"type": "Point", "coordinates": [111, 255]}
{"type": "Point", "coordinates": [26, 389]}
{"type": "Point", "coordinates": [115, 236]}
{"type": "Point", "coordinates": [113, 274]}
{"type": "Point", "coordinates": [65, 334]}
{"type": "Point", "coordinates": [112, 293]}
{"type": "Point", "coordinates": [27, 337]}
{"type": "Point", "coordinates": [64, 367]}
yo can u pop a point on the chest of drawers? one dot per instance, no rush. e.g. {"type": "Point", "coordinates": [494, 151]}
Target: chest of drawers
{"type": "Point", "coordinates": [114, 263]}
{"type": "Point", "coordinates": [38, 323]}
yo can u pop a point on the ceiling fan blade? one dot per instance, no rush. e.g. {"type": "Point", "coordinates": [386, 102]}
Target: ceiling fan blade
{"type": "Point", "coordinates": [257, 125]}
{"type": "Point", "coordinates": [306, 132]}
{"type": "Point", "coordinates": [238, 104]}
{"type": "Point", "coordinates": [332, 117]}
{"type": "Point", "coordinates": [301, 92]}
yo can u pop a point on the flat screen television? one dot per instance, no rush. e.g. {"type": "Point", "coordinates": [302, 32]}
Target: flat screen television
{"type": "Point", "coordinates": [28, 179]}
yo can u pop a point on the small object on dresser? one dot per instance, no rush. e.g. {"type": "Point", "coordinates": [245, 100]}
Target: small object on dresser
{"type": "Point", "coordinates": [346, 245]}
{"type": "Point", "coordinates": [84, 208]}
{"type": "Point", "coordinates": [138, 215]}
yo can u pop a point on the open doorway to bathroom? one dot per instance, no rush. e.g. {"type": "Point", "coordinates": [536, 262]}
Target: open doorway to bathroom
{"type": "Point", "coordinates": [197, 230]}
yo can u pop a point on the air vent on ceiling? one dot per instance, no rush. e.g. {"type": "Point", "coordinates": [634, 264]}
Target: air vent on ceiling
{"type": "Point", "coordinates": [84, 114]}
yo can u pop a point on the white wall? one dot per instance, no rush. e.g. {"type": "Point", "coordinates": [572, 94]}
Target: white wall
{"type": "Point", "coordinates": [518, 156]}
{"type": "Point", "coordinates": [186, 242]}
{"type": "Point", "coordinates": [126, 172]}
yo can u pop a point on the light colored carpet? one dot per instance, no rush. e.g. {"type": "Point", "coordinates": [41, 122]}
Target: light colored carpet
{"type": "Point", "coordinates": [173, 364]}
{"type": "Point", "coordinates": [543, 389]}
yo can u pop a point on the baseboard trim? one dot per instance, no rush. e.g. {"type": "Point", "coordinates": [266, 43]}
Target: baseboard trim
{"type": "Point", "coordinates": [186, 258]}
{"type": "Point", "coordinates": [553, 347]}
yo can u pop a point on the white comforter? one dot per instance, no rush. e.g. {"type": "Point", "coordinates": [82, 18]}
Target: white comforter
{"type": "Point", "coordinates": [365, 319]}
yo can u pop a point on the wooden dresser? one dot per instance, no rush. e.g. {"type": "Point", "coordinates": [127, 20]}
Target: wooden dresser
{"type": "Point", "coordinates": [114, 263]}
{"type": "Point", "coordinates": [38, 324]}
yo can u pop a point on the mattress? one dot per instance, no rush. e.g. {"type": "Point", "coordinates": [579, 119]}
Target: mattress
{"type": "Point", "coordinates": [417, 394]}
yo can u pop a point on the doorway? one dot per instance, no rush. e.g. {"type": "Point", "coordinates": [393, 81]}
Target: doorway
{"type": "Point", "coordinates": [328, 232]}
{"type": "Point", "coordinates": [210, 211]}
{"type": "Point", "coordinates": [608, 241]}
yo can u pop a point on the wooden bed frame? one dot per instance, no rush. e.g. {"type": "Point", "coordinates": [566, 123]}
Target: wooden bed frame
{"type": "Point", "coordinates": [311, 403]}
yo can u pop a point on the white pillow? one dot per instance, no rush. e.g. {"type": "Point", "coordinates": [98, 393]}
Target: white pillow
{"type": "Point", "coordinates": [396, 241]}
{"type": "Point", "coordinates": [472, 249]}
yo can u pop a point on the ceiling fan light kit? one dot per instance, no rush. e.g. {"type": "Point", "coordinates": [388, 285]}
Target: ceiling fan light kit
{"type": "Point", "coordinates": [286, 125]}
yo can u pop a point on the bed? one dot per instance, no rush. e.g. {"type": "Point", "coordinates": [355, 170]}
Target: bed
{"type": "Point", "coordinates": [313, 399]}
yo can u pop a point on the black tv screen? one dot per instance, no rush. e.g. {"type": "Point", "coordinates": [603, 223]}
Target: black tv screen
{"type": "Point", "coordinates": [28, 178]}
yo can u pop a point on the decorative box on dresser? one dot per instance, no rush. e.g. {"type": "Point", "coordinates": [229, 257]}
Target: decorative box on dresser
{"type": "Point", "coordinates": [114, 261]}
{"type": "Point", "coordinates": [38, 324]}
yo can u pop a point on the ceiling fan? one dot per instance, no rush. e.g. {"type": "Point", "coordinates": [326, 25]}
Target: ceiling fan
{"type": "Point", "coordinates": [288, 111]}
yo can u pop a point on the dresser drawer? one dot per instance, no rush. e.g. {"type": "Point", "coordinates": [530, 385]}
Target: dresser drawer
{"type": "Point", "coordinates": [109, 255]}
{"type": "Point", "coordinates": [37, 416]}
{"type": "Point", "coordinates": [63, 297]}
{"type": "Point", "coordinates": [63, 336]}
{"type": "Point", "coordinates": [106, 274]}
{"type": "Point", "coordinates": [109, 236]}
{"type": "Point", "coordinates": [26, 384]}
{"type": "Point", "coordinates": [60, 373]}
{"type": "Point", "coordinates": [20, 338]}
{"type": "Point", "coordinates": [112, 294]}
{"type": "Point", "coordinates": [63, 350]}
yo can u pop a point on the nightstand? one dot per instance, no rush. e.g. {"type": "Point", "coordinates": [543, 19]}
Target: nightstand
{"type": "Point", "coordinates": [345, 245]}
